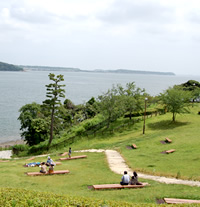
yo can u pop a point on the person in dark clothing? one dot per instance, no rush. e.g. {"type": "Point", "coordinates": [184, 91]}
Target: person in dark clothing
{"type": "Point", "coordinates": [70, 152]}
{"type": "Point", "coordinates": [134, 179]}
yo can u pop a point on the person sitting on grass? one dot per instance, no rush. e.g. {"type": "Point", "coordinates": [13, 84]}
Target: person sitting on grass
{"type": "Point", "coordinates": [43, 167]}
{"type": "Point", "coordinates": [51, 168]}
{"type": "Point", "coordinates": [50, 161]}
{"type": "Point", "coordinates": [134, 179]}
{"type": "Point", "coordinates": [125, 179]}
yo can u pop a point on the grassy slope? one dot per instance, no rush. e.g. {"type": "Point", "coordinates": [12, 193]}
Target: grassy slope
{"type": "Point", "coordinates": [147, 157]}
{"type": "Point", "coordinates": [92, 170]}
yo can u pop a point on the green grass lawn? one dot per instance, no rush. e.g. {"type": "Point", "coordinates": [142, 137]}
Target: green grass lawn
{"type": "Point", "coordinates": [86, 172]}
{"type": "Point", "coordinates": [184, 163]}
{"type": "Point", "coordinates": [185, 136]}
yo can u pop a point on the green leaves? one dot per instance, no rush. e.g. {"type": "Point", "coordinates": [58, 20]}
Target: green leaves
{"type": "Point", "coordinates": [176, 100]}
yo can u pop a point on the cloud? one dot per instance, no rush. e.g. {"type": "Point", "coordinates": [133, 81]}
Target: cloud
{"type": "Point", "coordinates": [31, 14]}
{"type": "Point", "coordinates": [194, 17]}
{"type": "Point", "coordinates": [126, 11]}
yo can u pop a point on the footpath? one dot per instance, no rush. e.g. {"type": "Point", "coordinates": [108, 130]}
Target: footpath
{"type": "Point", "coordinates": [118, 165]}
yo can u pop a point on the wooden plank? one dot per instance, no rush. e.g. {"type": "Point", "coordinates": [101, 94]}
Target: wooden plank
{"type": "Point", "coordinates": [73, 158]}
{"type": "Point", "coordinates": [107, 186]}
{"type": "Point", "coordinates": [65, 153]}
{"type": "Point", "coordinates": [175, 200]}
{"type": "Point", "coordinates": [54, 173]}
{"type": "Point", "coordinates": [134, 146]}
{"type": "Point", "coordinates": [117, 186]}
{"type": "Point", "coordinates": [58, 163]}
{"type": "Point", "coordinates": [168, 140]}
{"type": "Point", "coordinates": [4, 160]}
{"type": "Point", "coordinates": [136, 186]}
{"type": "Point", "coordinates": [170, 151]}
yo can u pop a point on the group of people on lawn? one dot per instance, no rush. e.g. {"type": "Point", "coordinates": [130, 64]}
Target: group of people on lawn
{"type": "Point", "coordinates": [127, 180]}
{"type": "Point", "coordinates": [50, 163]}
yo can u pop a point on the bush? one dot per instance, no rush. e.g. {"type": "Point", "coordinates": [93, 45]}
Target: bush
{"type": "Point", "coordinates": [19, 148]}
{"type": "Point", "coordinates": [22, 197]}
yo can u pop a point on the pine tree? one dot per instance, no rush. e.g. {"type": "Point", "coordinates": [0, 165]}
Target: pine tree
{"type": "Point", "coordinates": [54, 92]}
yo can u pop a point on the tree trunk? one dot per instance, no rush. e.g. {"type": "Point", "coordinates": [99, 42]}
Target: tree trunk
{"type": "Point", "coordinates": [51, 128]}
{"type": "Point", "coordinates": [130, 116]}
{"type": "Point", "coordinates": [174, 117]}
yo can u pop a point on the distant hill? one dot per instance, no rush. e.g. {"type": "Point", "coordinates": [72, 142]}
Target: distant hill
{"type": "Point", "coordinates": [134, 71]}
{"type": "Point", "coordinates": [68, 69]}
{"type": "Point", "coordinates": [9, 67]}
{"type": "Point", "coordinates": [48, 68]}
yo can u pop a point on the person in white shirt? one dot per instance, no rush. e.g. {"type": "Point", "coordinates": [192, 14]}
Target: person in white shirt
{"type": "Point", "coordinates": [125, 179]}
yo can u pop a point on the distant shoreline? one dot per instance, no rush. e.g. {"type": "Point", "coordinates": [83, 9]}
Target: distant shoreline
{"type": "Point", "coordinates": [68, 69]}
{"type": "Point", "coordinates": [12, 143]}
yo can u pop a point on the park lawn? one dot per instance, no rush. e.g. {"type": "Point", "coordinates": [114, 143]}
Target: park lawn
{"type": "Point", "coordinates": [148, 158]}
{"type": "Point", "coordinates": [184, 163]}
{"type": "Point", "coordinates": [86, 172]}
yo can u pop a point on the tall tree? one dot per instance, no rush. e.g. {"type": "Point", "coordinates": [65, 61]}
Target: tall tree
{"type": "Point", "coordinates": [55, 91]}
{"type": "Point", "coordinates": [176, 101]}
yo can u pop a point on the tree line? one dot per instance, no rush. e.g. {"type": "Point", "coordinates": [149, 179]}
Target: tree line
{"type": "Point", "coordinates": [40, 122]}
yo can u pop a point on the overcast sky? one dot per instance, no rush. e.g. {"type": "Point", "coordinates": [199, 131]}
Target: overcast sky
{"type": "Point", "coordinates": [151, 35]}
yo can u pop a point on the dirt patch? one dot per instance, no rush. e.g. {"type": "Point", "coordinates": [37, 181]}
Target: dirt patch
{"type": "Point", "coordinates": [164, 152]}
{"type": "Point", "coordinates": [129, 147]}
{"type": "Point", "coordinates": [160, 201]}
{"type": "Point", "coordinates": [90, 187]}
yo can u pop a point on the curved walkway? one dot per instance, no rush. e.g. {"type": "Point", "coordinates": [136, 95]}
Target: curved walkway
{"type": "Point", "coordinates": [118, 165]}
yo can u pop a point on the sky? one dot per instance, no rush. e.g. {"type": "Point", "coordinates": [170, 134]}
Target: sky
{"type": "Point", "coordinates": [150, 35]}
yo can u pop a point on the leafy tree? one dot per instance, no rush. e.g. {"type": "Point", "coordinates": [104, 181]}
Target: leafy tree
{"type": "Point", "coordinates": [133, 98]}
{"type": "Point", "coordinates": [33, 124]}
{"type": "Point", "coordinates": [110, 105]}
{"type": "Point", "coordinates": [91, 108]}
{"type": "Point", "coordinates": [54, 92]}
{"type": "Point", "coordinates": [176, 101]}
{"type": "Point", "coordinates": [190, 85]}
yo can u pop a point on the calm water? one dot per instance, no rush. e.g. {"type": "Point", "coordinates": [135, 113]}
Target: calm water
{"type": "Point", "coordinates": [20, 88]}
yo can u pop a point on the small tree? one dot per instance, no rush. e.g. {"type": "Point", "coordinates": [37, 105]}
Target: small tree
{"type": "Point", "coordinates": [54, 92]}
{"type": "Point", "coordinates": [176, 100]}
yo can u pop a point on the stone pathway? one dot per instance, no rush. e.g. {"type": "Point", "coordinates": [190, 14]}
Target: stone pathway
{"type": "Point", "coordinates": [118, 165]}
{"type": "Point", "coordinates": [5, 154]}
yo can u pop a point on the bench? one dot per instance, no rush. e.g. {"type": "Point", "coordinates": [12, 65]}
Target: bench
{"type": "Point", "coordinates": [168, 140]}
{"type": "Point", "coordinates": [117, 186]}
{"type": "Point", "coordinates": [177, 201]}
{"type": "Point", "coordinates": [58, 172]}
{"type": "Point", "coordinates": [73, 158]}
{"type": "Point", "coordinates": [170, 151]}
{"type": "Point", "coordinates": [58, 163]}
{"type": "Point", "coordinates": [4, 160]}
{"type": "Point", "coordinates": [65, 153]}
{"type": "Point", "coordinates": [134, 146]}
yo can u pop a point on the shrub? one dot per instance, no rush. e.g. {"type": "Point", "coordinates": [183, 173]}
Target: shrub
{"type": "Point", "coordinates": [19, 148]}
